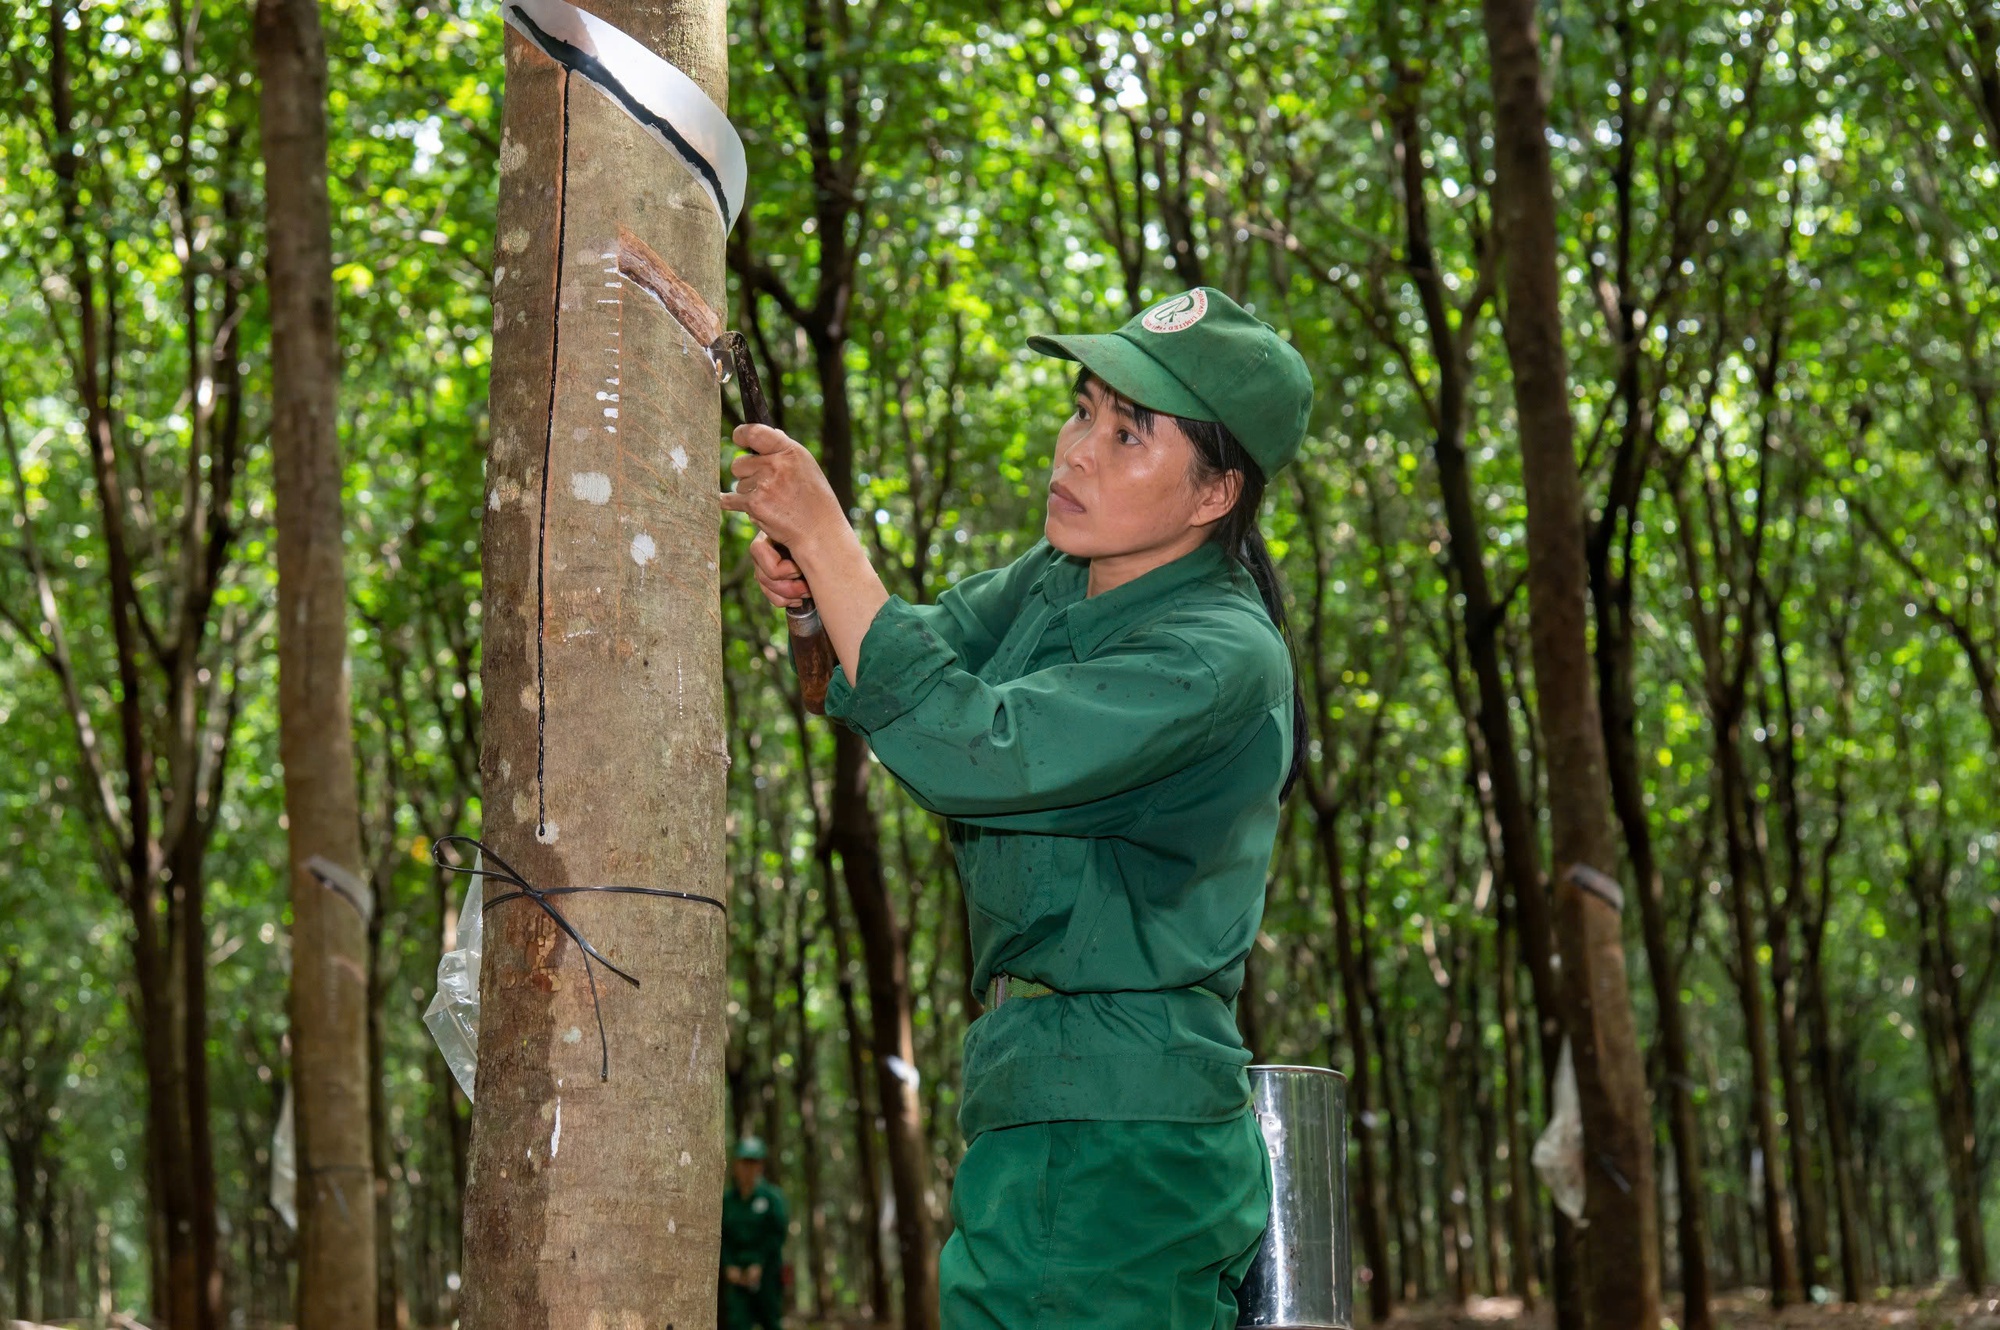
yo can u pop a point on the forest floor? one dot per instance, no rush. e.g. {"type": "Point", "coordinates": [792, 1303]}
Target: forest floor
{"type": "Point", "coordinates": [1937, 1308]}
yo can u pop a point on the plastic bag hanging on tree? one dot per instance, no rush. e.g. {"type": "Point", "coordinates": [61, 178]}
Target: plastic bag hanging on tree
{"type": "Point", "coordinates": [453, 1016]}
{"type": "Point", "coordinates": [1558, 1155]}
{"type": "Point", "coordinates": [285, 1165]}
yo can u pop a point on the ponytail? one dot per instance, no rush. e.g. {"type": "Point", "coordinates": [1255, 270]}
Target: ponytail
{"type": "Point", "coordinates": [1217, 452]}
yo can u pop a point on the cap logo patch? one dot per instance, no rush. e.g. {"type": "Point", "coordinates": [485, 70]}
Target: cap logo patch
{"type": "Point", "coordinates": [1172, 316]}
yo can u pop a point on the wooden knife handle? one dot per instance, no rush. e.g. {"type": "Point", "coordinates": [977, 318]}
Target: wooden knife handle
{"type": "Point", "coordinates": [812, 650]}
{"type": "Point", "coordinates": [812, 655]}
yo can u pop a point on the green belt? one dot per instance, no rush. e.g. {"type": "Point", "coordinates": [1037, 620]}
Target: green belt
{"type": "Point", "coordinates": [1006, 986]}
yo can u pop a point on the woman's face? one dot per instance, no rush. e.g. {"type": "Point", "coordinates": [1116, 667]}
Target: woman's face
{"type": "Point", "coordinates": [1121, 481]}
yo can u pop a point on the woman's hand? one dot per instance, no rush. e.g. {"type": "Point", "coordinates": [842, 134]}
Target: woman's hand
{"type": "Point", "coordinates": [782, 582]}
{"type": "Point", "coordinates": [780, 487]}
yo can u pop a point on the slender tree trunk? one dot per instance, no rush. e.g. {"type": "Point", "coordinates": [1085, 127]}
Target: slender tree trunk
{"type": "Point", "coordinates": [1786, 1287]}
{"type": "Point", "coordinates": [1833, 1116]}
{"type": "Point", "coordinates": [1456, 1095]}
{"type": "Point", "coordinates": [329, 1008]}
{"type": "Point", "coordinates": [1810, 1239]}
{"type": "Point", "coordinates": [1361, 1107]}
{"type": "Point", "coordinates": [885, 957]}
{"type": "Point", "coordinates": [855, 837]}
{"type": "Point", "coordinates": [1623, 1267]}
{"type": "Point", "coordinates": [1405, 1187]}
{"type": "Point", "coordinates": [392, 1309]}
{"type": "Point", "coordinates": [1611, 599]}
{"type": "Point", "coordinates": [153, 877]}
{"type": "Point", "coordinates": [187, 881]}
{"type": "Point", "coordinates": [830, 107]}
{"type": "Point", "coordinates": [48, 1294]}
{"type": "Point", "coordinates": [813, 1220]}
{"type": "Point", "coordinates": [1487, 1150]}
{"type": "Point", "coordinates": [176, 1278]}
{"type": "Point", "coordinates": [21, 1165]}
{"type": "Point", "coordinates": [596, 1198]}
{"type": "Point", "coordinates": [1405, 1154]}
{"type": "Point", "coordinates": [1522, 1244]}
{"type": "Point", "coordinates": [866, 1163]}
{"type": "Point", "coordinates": [1614, 673]}
{"type": "Point", "coordinates": [1779, 915]}
{"type": "Point", "coordinates": [1949, 1045]}
{"type": "Point", "coordinates": [1512, 796]}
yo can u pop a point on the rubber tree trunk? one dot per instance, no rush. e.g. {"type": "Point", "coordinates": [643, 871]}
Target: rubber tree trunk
{"type": "Point", "coordinates": [1612, 598]}
{"type": "Point", "coordinates": [329, 1002]}
{"type": "Point", "coordinates": [1833, 1113]}
{"type": "Point", "coordinates": [886, 957]}
{"type": "Point", "coordinates": [160, 860]}
{"type": "Point", "coordinates": [1623, 1265]}
{"type": "Point", "coordinates": [596, 1200]}
{"type": "Point", "coordinates": [854, 836]}
{"type": "Point", "coordinates": [1948, 1044]}
{"type": "Point", "coordinates": [1373, 1208]}
{"type": "Point", "coordinates": [806, 1062]}
{"type": "Point", "coordinates": [1743, 860]}
{"type": "Point", "coordinates": [868, 1167]}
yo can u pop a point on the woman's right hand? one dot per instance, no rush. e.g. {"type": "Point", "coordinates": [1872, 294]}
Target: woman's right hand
{"type": "Point", "coordinates": [783, 584]}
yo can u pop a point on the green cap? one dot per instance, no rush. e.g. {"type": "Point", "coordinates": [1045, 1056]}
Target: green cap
{"type": "Point", "coordinates": [1201, 356]}
{"type": "Point", "coordinates": [750, 1147]}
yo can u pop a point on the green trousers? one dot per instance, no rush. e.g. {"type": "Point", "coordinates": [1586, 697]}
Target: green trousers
{"type": "Point", "coordinates": [760, 1308]}
{"type": "Point", "coordinates": [1105, 1226]}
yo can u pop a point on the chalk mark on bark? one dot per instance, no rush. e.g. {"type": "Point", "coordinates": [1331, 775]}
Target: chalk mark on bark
{"type": "Point", "coordinates": [548, 455]}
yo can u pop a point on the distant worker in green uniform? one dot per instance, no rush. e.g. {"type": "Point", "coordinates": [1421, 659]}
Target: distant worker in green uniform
{"type": "Point", "coordinates": [754, 1219]}
{"type": "Point", "coordinates": [1108, 724]}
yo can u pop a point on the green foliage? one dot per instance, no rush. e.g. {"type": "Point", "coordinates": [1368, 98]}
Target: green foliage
{"type": "Point", "coordinates": [1800, 205]}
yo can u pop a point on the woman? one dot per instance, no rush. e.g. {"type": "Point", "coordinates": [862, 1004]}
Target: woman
{"type": "Point", "coordinates": [1108, 724]}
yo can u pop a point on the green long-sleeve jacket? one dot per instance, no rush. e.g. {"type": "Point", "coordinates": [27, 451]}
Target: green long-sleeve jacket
{"type": "Point", "coordinates": [753, 1227]}
{"type": "Point", "coordinates": [1110, 768]}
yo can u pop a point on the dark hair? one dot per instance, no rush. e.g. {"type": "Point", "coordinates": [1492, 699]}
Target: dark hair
{"type": "Point", "coordinates": [1217, 452]}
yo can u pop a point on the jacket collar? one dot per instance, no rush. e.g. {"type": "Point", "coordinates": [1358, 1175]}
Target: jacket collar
{"type": "Point", "coordinates": [1095, 620]}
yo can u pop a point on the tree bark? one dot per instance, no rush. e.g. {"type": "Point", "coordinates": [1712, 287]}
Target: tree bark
{"type": "Point", "coordinates": [1949, 1044]}
{"type": "Point", "coordinates": [392, 1308]}
{"type": "Point", "coordinates": [1742, 860]}
{"type": "Point", "coordinates": [812, 1215]}
{"type": "Point", "coordinates": [329, 999]}
{"type": "Point", "coordinates": [855, 839]}
{"type": "Point", "coordinates": [885, 957]}
{"type": "Point", "coordinates": [1614, 672]}
{"type": "Point", "coordinates": [1611, 600]}
{"type": "Point", "coordinates": [1522, 1242]}
{"type": "Point", "coordinates": [866, 1165]}
{"type": "Point", "coordinates": [1623, 1266]}
{"type": "Point", "coordinates": [595, 1198]}
{"type": "Point", "coordinates": [1779, 914]}
{"type": "Point", "coordinates": [1353, 1013]}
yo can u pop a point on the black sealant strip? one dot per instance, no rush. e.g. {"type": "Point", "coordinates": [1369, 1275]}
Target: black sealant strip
{"type": "Point", "coordinates": [540, 896]}
{"type": "Point", "coordinates": [588, 65]}
{"type": "Point", "coordinates": [548, 455]}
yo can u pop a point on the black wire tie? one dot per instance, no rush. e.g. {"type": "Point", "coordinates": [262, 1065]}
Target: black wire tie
{"type": "Point", "coordinates": [540, 896]}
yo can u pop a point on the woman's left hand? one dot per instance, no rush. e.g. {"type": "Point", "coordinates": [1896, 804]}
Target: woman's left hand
{"type": "Point", "coordinates": [780, 487]}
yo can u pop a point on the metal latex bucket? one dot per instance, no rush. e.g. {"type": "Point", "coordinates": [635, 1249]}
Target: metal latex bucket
{"type": "Point", "coordinates": [1300, 1279]}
